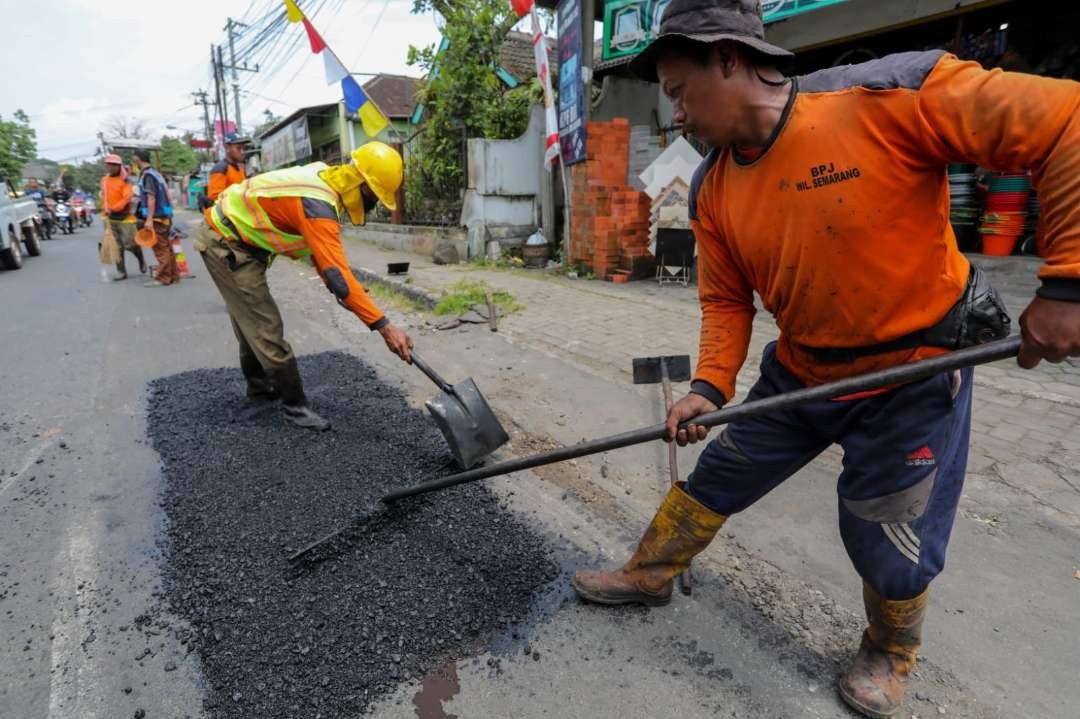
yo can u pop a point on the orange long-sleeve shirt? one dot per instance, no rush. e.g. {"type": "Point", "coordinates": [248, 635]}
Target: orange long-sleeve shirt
{"type": "Point", "coordinates": [116, 194]}
{"type": "Point", "coordinates": [222, 175]}
{"type": "Point", "coordinates": [317, 222]}
{"type": "Point", "coordinates": [842, 225]}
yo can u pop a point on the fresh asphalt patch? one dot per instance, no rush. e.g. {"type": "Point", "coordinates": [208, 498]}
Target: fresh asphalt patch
{"type": "Point", "coordinates": [438, 578]}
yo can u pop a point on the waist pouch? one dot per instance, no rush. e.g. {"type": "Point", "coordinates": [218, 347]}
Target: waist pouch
{"type": "Point", "coordinates": [978, 316]}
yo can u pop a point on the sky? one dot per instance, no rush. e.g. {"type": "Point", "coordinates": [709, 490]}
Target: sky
{"type": "Point", "coordinates": [73, 65]}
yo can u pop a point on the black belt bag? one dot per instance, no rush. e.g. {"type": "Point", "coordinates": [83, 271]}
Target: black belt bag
{"type": "Point", "coordinates": [978, 316]}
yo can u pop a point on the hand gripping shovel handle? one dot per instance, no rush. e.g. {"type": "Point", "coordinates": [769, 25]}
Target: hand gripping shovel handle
{"type": "Point", "coordinates": [970, 357]}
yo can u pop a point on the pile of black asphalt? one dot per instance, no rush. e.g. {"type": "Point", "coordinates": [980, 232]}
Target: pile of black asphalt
{"type": "Point", "coordinates": [436, 578]}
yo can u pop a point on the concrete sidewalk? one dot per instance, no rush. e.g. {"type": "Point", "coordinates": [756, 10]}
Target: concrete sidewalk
{"type": "Point", "coordinates": [1014, 546]}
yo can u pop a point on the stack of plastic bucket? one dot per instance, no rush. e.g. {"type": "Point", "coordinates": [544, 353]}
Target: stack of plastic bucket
{"type": "Point", "coordinates": [1006, 213]}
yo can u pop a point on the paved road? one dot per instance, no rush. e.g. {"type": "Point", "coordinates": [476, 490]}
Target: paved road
{"type": "Point", "coordinates": [775, 613]}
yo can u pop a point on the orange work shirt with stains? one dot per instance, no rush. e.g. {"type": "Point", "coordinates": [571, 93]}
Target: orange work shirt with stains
{"type": "Point", "coordinates": [222, 175]}
{"type": "Point", "coordinates": [842, 225]}
{"type": "Point", "coordinates": [317, 222]}
{"type": "Point", "coordinates": [116, 195]}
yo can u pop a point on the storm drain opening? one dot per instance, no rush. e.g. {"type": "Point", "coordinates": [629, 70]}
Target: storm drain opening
{"type": "Point", "coordinates": [437, 580]}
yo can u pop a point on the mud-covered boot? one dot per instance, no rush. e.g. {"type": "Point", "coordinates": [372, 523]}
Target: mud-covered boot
{"type": "Point", "coordinates": [681, 529]}
{"type": "Point", "coordinates": [874, 683]}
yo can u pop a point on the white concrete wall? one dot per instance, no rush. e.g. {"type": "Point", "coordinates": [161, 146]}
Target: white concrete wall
{"type": "Point", "coordinates": [505, 182]}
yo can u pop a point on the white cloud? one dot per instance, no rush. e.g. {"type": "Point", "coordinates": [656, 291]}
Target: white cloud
{"type": "Point", "coordinates": [143, 59]}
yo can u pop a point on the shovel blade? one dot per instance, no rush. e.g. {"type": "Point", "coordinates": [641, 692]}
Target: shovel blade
{"type": "Point", "coordinates": [467, 422]}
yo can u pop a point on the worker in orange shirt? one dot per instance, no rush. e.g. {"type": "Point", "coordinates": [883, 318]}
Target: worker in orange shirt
{"type": "Point", "coordinates": [827, 195]}
{"type": "Point", "coordinates": [294, 212]}
{"type": "Point", "coordinates": [229, 171]}
{"type": "Point", "coordinates": [118, 211]}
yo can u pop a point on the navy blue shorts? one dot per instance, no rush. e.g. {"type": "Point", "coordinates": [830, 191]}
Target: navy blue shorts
{"type": "Point", "coordinates": [905, 454]}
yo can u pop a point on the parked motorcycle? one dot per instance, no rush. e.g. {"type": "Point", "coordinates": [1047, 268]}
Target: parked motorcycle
{"type": "Point", "coordinates": [65, 218]}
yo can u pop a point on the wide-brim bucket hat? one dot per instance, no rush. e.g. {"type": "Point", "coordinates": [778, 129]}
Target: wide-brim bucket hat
{"type": "Point", "coordinates": [706, 21]}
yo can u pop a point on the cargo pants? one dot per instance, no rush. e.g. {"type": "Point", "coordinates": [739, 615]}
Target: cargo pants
{"type": "Point", "coordinates": [239, 271]}
{"type": "Point", "coordinates": [168, 273]}
{"type": "Point", "coordinates": [905, 455]}
{"type": "Point", "coordinates": [124, 232]}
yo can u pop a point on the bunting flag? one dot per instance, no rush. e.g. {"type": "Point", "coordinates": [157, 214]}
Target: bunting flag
{"type": "Point", "coordinates": [521, 7]}
{"type": "Point", "coordinates": [356, 100]}
{"type": "Point", "coordinates": [543, 72]}
{"type": "Point", "coordinates": [317, 44]}
{"type": "Point", "coordinates": [292, 12]}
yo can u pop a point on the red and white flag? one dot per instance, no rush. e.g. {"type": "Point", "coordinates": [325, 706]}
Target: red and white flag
{"type": "Point", "coordinates": [543, 72]}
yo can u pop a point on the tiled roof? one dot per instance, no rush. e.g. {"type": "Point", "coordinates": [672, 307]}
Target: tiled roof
{"type": "Point", "coordinates": [395, 95]}
{"type": "Point", "coordinates": [516, 55]}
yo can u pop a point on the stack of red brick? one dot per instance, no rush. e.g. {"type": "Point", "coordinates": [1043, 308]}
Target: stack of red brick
{"type": "Point", "coordinates": [609, 233]}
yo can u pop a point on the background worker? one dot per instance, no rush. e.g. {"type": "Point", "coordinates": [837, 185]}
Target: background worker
{"type": "Point", "coordinates": [294, 212]}
{"type": "Point", "coordinates": [116, 207]}
{"type": "Point", "coordinates": [229, 171]}
{"type": "Point", "coordinates": [827, 195]}
{"type": "Point", "coordinates": [155, 213]}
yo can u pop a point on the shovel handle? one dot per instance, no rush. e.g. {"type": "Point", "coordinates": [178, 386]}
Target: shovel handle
{"type": "Point", "coordinates": [432, 374]}
{"type": "Point", "coordinates": [970, 357]}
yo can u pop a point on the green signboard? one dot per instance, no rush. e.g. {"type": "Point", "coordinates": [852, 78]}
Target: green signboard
{"type": "Point", "coordinates": [773, 10]}
{"type": "Point", "coordinates": [630, 25]}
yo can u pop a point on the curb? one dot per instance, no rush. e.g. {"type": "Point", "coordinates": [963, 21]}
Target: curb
{"type": "Point", "coordinates": [416, 294]}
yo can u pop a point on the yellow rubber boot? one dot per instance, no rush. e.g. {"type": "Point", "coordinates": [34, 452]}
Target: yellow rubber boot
{"type": "Point", "coordinates": [874, 683]}
{"type": "Point", "coordinates": [681, 529]}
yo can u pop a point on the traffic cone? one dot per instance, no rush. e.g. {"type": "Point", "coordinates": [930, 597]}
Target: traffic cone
{"type": "Point", "coordinates": [178, 251]}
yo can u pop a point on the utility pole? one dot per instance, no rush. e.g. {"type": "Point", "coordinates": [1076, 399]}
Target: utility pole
{"type": "Point", "coordinates": [217, 100]}
{"type": "Point", "coordinates": [200, 99]}
{"type": "Point", "coordinates": [234, 67]}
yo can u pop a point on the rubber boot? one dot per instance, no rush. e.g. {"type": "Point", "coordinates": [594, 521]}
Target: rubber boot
{"type": "Point", "coordinates": [293, 402]}
{"type": "Point", "coordinates": [681, 529]}
{"type": "Point", "coordinates": [874, 683]}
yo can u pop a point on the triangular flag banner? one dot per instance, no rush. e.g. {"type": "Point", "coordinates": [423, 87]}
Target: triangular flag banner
{"type": "Point", "coordinates": [292, 12]}
{"type": "Point", "coordinates": [521, 7]}
{"type": "Point", "coordinates": [373, 121]}
{"type": "Point", "coordinates": [335, 71]}
{"type": "Point", "coordinates": [354, 95]}
{"type": "Point", "coordinates": [317, 44]}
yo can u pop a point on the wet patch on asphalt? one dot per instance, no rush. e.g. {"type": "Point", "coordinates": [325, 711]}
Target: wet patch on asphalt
{"type": "Point", "coordinates": [435, 580]}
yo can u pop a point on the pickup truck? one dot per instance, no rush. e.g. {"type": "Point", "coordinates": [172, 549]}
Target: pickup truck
{"type": "Point", "coordinates": [19, 221]}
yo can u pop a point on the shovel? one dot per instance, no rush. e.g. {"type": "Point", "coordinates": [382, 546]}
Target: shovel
{"type": "Point", "coordinates": [970, 357]}
{"type": "Point", "coordinates": [665, 370]}
{"type": "Point", "coordinates": [464, 417]}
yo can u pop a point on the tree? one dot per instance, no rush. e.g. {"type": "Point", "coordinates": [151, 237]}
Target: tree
{"type": "Point", "coordinates": [269, 120]}
{"type": "Point", "coordinates": [18, 145]}
{"type": "Point", "coordinates": [129, 128]}
{"type": "Point", "coordinates": [465, 98]}
{"type": "Point", "coordinates": [177, 157]}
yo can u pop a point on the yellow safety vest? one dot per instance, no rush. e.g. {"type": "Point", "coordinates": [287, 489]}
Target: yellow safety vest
{"type": "Point", "coordinates": [239, 214]}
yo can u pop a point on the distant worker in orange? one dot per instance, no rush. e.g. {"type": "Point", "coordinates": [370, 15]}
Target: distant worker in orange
{"type": "Point", "coordinates": [117, 194]}
{"type": "Point", "coordinates": [229, 171]}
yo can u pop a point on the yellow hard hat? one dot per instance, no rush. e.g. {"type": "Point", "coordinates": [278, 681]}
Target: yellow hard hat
{"type": "Point", "coordinates": [381, 167]}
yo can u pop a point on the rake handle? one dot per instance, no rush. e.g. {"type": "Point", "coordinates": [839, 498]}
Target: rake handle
{"type": "Point", "coordinates": [903, 374]}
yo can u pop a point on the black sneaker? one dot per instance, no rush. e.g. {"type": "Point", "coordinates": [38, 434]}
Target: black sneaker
{"type": "Point", "coordinates": [304, 416]}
